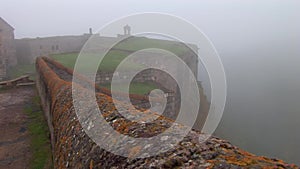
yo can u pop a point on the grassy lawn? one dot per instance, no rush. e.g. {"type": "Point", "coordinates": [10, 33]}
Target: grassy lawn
{"type": "Point", "coordinates": [135, 88]}
{"type": "Point", "coordinates": [67, 59]}
{"type": "Point", "coordinates": [39, 133]}
{"type": "Point", "coordinates": [114, 57]}
{"type": "Point", "coordinates": [109, 63]}
{"type": "Point", "coordinates": [20, 70]}
{"type": "Point", "coordinates": [138, 43]}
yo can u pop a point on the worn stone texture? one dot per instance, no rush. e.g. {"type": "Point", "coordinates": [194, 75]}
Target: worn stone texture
{"type": "Point", "coordinates": [7, 48]}
{"type": "Point", "coordinates": [74, 149]}
{"type": "Point", "coordinates": [30, 48]}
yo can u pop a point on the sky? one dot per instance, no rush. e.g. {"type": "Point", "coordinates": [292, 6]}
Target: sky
{"type": "Point", "coordinates": [32, 18]}
{"type": "Point", "coordinates": [227, 23]}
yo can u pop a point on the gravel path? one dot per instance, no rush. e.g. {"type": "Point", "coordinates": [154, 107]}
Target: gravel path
{"type": "Point", "coordinates": [15, 139]}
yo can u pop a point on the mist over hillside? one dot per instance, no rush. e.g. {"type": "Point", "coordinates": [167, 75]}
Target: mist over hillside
{"type": "Point", "coordinates": [258, 43]}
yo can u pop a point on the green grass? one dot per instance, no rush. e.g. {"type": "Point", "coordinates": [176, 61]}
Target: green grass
{"type": "Point", "coordinates": [20, 70]}
{"type": "Point", "coordinates": [67, 59]}
{"type": "Point", "coordinates": [108, 64]}
{"type": "Point", "coordinates": [138, 43]}
{"type": "Point", "coordinates": [120, 52]}
{"type": "Point", "coordinates": [39, 133]}
{"type": "Point", "coordinates": [134, 88]}
{"type": "Point", "coordinates": [114, 57]}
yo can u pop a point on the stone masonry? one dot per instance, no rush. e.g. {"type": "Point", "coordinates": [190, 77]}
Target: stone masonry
{"type": "Point", "coordinates": [7, 48]}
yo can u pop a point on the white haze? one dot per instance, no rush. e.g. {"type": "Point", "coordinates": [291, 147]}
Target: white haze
{"type": "Point", "coordinates": [258, 42]}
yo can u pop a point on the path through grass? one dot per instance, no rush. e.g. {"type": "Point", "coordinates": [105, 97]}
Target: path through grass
{"type": "Point", "coordinates": [40, 142]}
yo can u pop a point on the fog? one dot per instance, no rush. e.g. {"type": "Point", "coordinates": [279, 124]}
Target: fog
{"type": "Point", "coordinates": [258, 42]}
{"type": "Point", "coordinates": [262, 109]}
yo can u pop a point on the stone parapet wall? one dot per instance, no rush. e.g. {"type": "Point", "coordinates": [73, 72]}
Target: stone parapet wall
{"type": "Point", "coordinates": [72, 148]}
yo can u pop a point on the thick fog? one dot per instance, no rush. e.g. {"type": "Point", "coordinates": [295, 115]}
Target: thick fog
{"type": "Point", "coordinates": [258, 42]}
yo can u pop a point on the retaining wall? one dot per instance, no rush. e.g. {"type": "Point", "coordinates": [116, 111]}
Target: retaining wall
{"type": "Point", "coordinates": [164, 82]}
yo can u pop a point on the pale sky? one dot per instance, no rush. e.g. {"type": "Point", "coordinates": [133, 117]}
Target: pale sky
{"type": "Point", "coordinates": [226, 23]}
{"type": "Point", "coordinates": [32, 18]}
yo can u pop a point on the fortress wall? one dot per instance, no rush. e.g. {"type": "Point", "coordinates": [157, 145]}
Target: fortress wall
{"type": "Point", "coordinates": [29, 49]}
{"type": "Point", "coordinates": [72, 148]}
{"type": "Point", "coordinates": [164, 82]}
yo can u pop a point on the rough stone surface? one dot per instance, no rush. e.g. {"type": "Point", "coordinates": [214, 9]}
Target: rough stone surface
{"type": "Point", "coordinates": [7, 48]}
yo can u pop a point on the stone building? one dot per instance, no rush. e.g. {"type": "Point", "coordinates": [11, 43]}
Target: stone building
{"type": "Point", "coordinates": [7, 48]}
{"type": "Point", "coordinates": [30, 48]}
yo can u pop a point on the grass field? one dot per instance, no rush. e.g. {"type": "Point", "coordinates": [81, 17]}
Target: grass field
{"type": "Point", "coordinates": [138, 43]}
{"type": "Point", "coordinates": [39, 133]}
{"type": "Point", "coordinates": [119, 52]}
{"type": "Point", "coordinates": [134, 88]}
{"type": "Point", "coordinates": [20, 70]}
{"type": "Point", "coordinates": [111, 60]}
{"type": "Point", "coordinates": [108, 64]}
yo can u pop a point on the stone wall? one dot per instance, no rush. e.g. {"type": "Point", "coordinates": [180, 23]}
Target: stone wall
{"type": "Point", "coordinates": [28, 49]}
{"type": "Point", "coordinates": [162, 81]}
{"type": "Point", "coordinates": [72, 148]}
{"type": "Point", "coordinates": [7, 48]}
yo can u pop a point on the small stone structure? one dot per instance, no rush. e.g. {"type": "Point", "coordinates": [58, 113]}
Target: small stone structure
{"type": "Point", "coordinates": [127, 30]}
{"type": "Point", "coordinates": [7, 48]}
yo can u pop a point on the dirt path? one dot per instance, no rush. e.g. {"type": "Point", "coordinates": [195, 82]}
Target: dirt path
{"type": "Point", "coordinates": [15, 139]}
